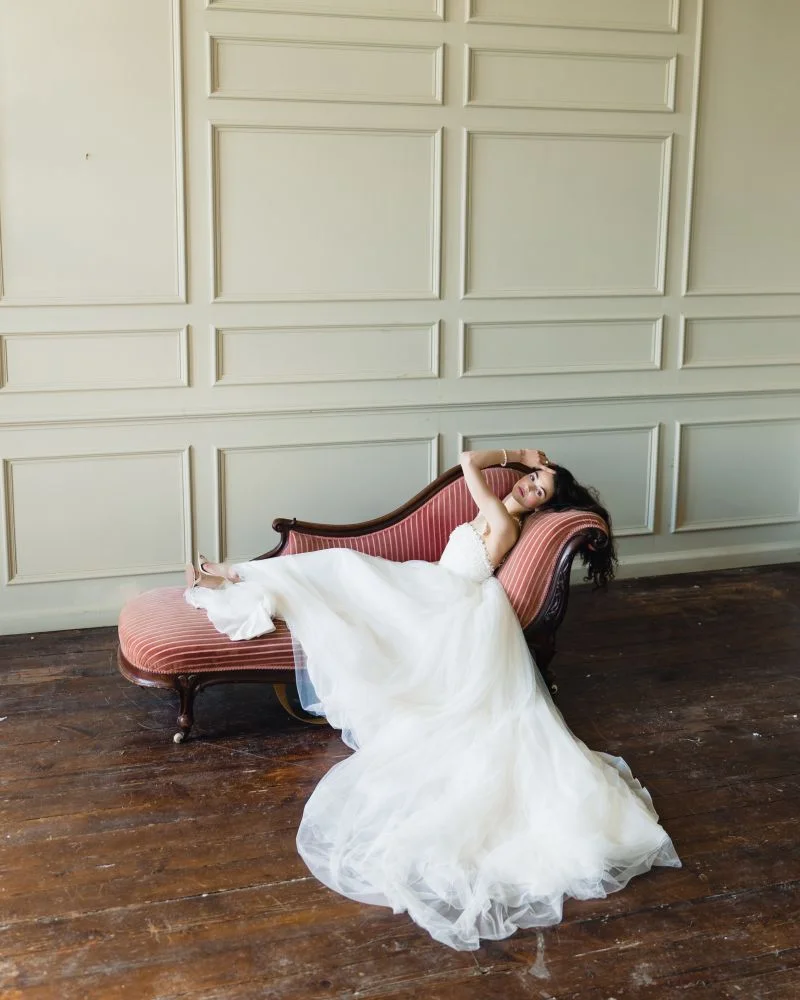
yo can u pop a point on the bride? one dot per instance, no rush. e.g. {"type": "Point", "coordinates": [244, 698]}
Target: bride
{"type": "Point", "coordinates": [468, 802]}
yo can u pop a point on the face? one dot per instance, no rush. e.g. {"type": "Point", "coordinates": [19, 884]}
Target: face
{"type": "Point", "coordinates": [535, 489]}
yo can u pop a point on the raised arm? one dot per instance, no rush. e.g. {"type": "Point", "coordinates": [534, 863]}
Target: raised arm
{"type": "Point", "coordinates": [473, 463]}
{"type": "Point", "coordinates": [492, 508]}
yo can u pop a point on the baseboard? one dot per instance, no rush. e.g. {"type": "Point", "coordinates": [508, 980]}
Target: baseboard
{"type": "Point", "coordinates": [702, 560]}
{"type": "Point", "coordinates": [56, 620]}
{"type": "Point", "coordinates": [651, 564]}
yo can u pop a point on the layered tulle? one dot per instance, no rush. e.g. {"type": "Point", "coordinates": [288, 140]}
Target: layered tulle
{"type": "Point", "coordinates": [468, 802]}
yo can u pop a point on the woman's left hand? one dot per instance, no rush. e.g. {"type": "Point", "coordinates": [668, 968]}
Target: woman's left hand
{"type": "Point", "coordinates": [532, 457]}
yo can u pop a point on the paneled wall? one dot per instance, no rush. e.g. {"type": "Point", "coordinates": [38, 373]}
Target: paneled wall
{"type": "Point", "coordinates": [288, 257]}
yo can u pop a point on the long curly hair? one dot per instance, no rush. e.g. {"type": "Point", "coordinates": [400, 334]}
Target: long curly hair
{"type": "Point", "coordinates": [600, 560]}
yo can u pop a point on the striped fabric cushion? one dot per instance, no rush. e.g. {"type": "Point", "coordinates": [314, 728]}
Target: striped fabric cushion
{"type": "Point", "coordinates": [527, 573]}
{"type": "Point", "coordinates": [161, 633]}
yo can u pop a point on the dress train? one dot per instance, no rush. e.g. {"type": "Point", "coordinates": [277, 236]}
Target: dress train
{"type": "Point", "coordinates": [468, 802]}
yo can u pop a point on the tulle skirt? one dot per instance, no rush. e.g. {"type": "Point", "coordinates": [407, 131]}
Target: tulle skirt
{"type": "Point", "coordinates": [468, 803]}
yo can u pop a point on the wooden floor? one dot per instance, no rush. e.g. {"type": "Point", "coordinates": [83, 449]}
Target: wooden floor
{"type": "Point", "coordinates": [131, 867]}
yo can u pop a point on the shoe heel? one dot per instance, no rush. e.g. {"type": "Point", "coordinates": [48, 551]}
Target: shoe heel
{"type": "Point", "coordinates": [206, 579]}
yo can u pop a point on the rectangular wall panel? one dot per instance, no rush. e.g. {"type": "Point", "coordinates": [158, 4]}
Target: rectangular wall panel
{"type": "Point", "coordinates": [108, 515]}
{"type": "Point", "coordinates": [425, 10]}
{"type": "Point", "coordinates": [340, 482]}
{"type": "Point", "coordinates": [567, 214]}
{"type": "Point", "coordinates": [736, 474]}
{"type": "Point", "coordinates": [326, 354]}
{"type": "Point", "coordinates": [316, 213]}
{"type": "Point", "coordinates": [745, 210]}
{"type": "Point", "coordinates": [118, 359]}
{"type": "Point", "coordinates": [516, 78]}
{"type": "Point", "coordinates": [541, 347]}
{"type": "Point", "coordinates": [615, 15]}
{"type": "Point", "coordinates": [91, 186]}
{"type": "Point", "coordinates": [620, 462]}
{"type": "Point", "coordinates": [740, 342]}
{"type": "Point", "coordinates": [278, 69]}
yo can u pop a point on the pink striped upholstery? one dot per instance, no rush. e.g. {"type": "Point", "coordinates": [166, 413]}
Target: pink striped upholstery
{"type": "Point", "coordinates": [422, 534]}
{"type": "Point", "coordinates": [527, 573]}
{"type": "Point", "coordinates": [162, 634]}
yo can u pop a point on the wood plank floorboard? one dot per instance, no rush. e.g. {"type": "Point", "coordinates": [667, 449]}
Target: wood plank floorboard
{"type": "Point", "coordinates": [134, 868]}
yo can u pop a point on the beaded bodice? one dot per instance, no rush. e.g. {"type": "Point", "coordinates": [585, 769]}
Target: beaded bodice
{"type": "Point", "coordinates": [465, 554]}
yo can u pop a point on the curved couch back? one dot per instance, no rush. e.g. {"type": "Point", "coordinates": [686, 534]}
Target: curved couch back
{"type": "Point", "coordinates": [422, 534]}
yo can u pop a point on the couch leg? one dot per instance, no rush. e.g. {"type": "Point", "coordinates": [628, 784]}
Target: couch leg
{"type": "Point", "coordinates": [543, 654]}
{"type": "Point", "coordinates": [186, 685]}
{"type": "Point", "coordinates": [296, 710]}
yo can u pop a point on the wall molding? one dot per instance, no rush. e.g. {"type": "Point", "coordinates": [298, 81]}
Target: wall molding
{"type": "Point", "coordinates": [651, 483]}
{"type": "Point", "coordinates": [688, 289]}
{"type": "Point", "coordinates": [180, 151]}
{"type": "Point", "coordinates": [12, 576]}
{"type": "Point", "coordinates": [719, 292]}
{"type": "Point", "coordinates": [665, 140]}
{"type": "Point", "coordinates": [669, 27]}
{"type": "Point", "coordinates": [429, 407]}
{"type": "Point", "coordinates": [216, 128]}
{"type": "Point", "coordinates": [179, 178]}
{"type": "Point", "coordinates": [753, 362]}
{"type": "Point", "coordinates": [181, 335]}
{"type": "Point", "coordinates": [218, 335]}
{"type": "Point", "coordinates": [344, 9]}
{"type": "Point", "coordinates": [219, 487]}
{"type": "Point", "coordinates": [675, 524]}
{"type": "Point", "coordinates": [694, 115]}
{"type": "Point", "coordinates": [656, 350]}
{"type": "Point", "coordinates": [217, 93]}
{"type": "Point", "coordinates": [669, 62]}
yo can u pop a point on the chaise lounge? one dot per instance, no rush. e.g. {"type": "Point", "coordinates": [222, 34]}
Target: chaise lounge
{"type": "Point", "coordinates": [165, 643]}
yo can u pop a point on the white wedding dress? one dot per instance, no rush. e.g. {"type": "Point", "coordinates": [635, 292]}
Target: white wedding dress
{"type": "Point", "coordinates": [468, 802]}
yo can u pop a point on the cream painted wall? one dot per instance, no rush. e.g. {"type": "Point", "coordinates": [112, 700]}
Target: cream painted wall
{"type": "Point", "coordinates": [285, 257]}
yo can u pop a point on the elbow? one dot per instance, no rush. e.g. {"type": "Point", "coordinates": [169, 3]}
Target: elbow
{"type": "Point", "coordinates": [465, 459]}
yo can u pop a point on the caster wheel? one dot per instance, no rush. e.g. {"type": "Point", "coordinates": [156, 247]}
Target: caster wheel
{"type": "Point", "coordinates": [179, 737]}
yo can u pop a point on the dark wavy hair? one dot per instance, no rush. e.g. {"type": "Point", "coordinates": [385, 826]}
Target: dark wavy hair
{"type": "Point", "coordinates": [600, 560]}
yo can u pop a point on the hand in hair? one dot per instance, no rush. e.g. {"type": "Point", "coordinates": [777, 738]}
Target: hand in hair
{"type": "Point", "coordinates": [533, 458]}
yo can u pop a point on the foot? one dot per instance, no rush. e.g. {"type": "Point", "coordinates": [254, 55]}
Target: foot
{"type": "Point", "coordinates": [217, 571]}
{"type": "Point", "coordinates": [210, 575]}
{"type": "Point", "coordinates": [199, 578]}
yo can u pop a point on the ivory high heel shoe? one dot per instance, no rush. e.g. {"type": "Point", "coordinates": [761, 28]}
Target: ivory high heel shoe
{"type": "Point", "coordinates": [198, 576]}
